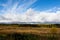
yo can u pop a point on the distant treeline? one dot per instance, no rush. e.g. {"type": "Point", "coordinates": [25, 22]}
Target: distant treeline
{"type": "Point", "coordinates": [41, 25]}
{"type": "Point", "coordinates": [32, 25]}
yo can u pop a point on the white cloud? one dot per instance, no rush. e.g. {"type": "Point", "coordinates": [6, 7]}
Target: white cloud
{"type": "Point", "coordinates": [33, 16]}
{"type": "Point", "coordinates": [14, 14]}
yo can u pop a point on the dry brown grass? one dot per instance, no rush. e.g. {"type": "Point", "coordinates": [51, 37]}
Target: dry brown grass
{"type": "Point", "coordinates": [33, 30]}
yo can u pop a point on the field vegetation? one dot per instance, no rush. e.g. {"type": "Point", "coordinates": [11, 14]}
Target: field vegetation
{"type": "Point", "coordinates": [29, 31]}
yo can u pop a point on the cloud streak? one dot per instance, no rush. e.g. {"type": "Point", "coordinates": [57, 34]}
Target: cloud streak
{"type": "Point", "coordinates": [32, 16]}
{"type": "Point", "coordinates": [23, 13]}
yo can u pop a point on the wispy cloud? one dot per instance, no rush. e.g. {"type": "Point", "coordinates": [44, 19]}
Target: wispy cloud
{"type": "Point", "coordinates": [23, 13]}
{"type": "Point", "coordinates": [33, 16]}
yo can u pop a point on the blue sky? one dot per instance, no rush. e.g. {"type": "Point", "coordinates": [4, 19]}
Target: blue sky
{"type": "Point", "coordinates": [38, 5]}
{"type": "Point", "coordinates": [46, 4]}
{"type": "Point", "coordinates": [30, 10]}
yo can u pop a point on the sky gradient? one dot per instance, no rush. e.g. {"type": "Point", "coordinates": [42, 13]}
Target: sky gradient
{"type": "Point", "coordinates": [30, 11]}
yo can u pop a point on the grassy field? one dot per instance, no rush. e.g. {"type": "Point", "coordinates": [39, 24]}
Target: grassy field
{"type": "Point", "coordinates": [29, 32]}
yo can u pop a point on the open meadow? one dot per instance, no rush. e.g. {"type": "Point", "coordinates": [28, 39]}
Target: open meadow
{"type": "Point", "coordinates": [29, 32]}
